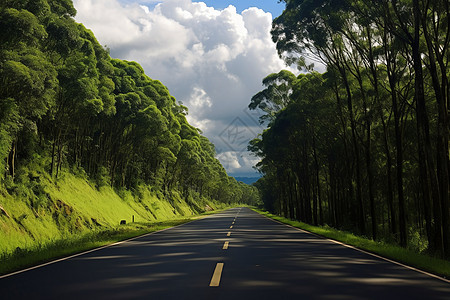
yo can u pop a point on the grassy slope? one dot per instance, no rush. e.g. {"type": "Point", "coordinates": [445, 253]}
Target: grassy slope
{"type": "Point", "coordinates": [73, 207]}
{"type": "Point", "coordinates": [10, 262]}
{"type": "Point", "coordinates": [421, 261]}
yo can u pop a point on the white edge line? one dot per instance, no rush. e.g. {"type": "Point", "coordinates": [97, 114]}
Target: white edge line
{"type": "Point", "coordinates": [363, 251]}
{"type": "Point", "coordinates": [92, 250]}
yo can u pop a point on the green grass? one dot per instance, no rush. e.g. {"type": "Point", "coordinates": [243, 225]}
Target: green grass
{"type": "Point", "coordinates": [10, 262]}
{"type": "Point", "coordinates": [73, 206]}
{"type": "Point", "coordinates": [408, 257]}
{"type": "Point", "coordinates": [51, 218]}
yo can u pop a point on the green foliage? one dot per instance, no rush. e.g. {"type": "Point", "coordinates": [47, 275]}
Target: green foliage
{"type": "Point", "coordinates": [67, 108]}
{"type": "Point", "coordinates": [276, 95]}
{"type": "Point", "coordinates": [20, 28]}
{"type": "Point", "coordinates": [41, 253]}
{"type": "Point", "coordinates": [41, 212]}
{"type": "Point", "coordinates": [365, 146]}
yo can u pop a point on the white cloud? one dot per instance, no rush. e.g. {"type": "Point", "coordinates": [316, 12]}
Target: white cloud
{"type": "Point", "coordinates": [238, 163]}
{"type": "Point", "coordinates": [211, 60]}
{"type": "Point", "coordinates": [199, 99]}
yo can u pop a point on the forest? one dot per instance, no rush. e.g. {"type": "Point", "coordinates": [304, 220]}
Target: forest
{"type": "Point", "coordinates": [67, 106]}
{"type": "Point", "coordinates": [363, 147]}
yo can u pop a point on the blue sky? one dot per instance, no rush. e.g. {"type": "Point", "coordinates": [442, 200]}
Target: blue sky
{"type": "Point", "coordinates": [271, 6]}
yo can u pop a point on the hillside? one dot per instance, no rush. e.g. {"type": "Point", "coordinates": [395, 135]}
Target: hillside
{"type": "Point", "coordinates": [87, 140]}
{"type": "Point", "coordinates": [73, 205]}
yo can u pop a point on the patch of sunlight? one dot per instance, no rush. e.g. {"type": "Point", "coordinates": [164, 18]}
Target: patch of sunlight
{"type": "Point", "coordinates": [381, 281]}
{"type": "Point", "coordinates": [121, 281]}
{"type": "Point", "coordinates": [175, 254]}
{"type": "Point", "coordinates": [263, 283]}
{"type": "Point", "coordinates": [104, 257]}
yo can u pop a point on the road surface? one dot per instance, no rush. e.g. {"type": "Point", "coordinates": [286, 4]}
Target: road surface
{"type": "Point", "coordinates": [237, 254]}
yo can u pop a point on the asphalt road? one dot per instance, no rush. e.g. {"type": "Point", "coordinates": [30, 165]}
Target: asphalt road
{"type": "Point", "coordinates": [263, 259]}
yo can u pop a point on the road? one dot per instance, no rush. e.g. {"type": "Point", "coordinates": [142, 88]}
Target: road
{"type": "Point", "coordinates": [237, 254]}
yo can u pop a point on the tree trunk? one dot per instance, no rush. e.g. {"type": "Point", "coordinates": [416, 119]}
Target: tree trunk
{"type": "Point", "coordinates": [424, 134]}
{"type": "Point", "coordinates": [12, 159]}
{"type": "Point", "coordinates": [316, 164]}
{"type": "Point", "coordinates": [307, 176]}
{"type": "Point", "coordinates": [359, 199]}
{"type": "Point", "coordinates": [390, 64]}
{"type": "Point", "coordinates": [56, 137]}
{"type": "Point", "coordinates": [442, 150]}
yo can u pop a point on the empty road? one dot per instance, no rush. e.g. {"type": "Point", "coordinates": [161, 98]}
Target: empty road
{"type": "Point", "coordinates": [237, 254]}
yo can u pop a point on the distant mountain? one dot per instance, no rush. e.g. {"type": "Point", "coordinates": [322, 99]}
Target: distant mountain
{"type": "Point", "coordinates": [247, 180]}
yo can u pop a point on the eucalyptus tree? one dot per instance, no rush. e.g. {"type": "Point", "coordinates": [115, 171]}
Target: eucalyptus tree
{"type": "Point", "coordinates": [422, 28]}
{"type": "Point", "coordinates": [275, 96]}
{"type": "Point", "coordinates": [65, 99]}
{"type": "Point", "coordinates": [387, 66]}
{"type": "Point", "coordinates": [315, 26]}
{"type": "Point", "coordinates": [28, 82]}
{"type": "Point", "coordinates": [292, 150]}
{"type": "Point", "coordinates": [434, 20]}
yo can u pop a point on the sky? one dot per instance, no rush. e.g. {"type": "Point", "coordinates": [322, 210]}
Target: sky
{"type": "Point", "coordinates": [212, 56]}
{"type": "Point", "coordinates": [272, 6]}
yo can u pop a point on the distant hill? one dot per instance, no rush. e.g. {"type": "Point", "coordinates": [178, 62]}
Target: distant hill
{"type": "Point", "coordinates": [247, 180]}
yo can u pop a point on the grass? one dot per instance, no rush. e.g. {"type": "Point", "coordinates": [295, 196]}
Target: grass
{"type": "Point", "coordinates": [10, 262]}
{"type": "Point", "coordinates": [45, 219]}
{"type": "Point", "coordinates": [74, 206]}
{"type": "Point", "coordinates": [408, 257]}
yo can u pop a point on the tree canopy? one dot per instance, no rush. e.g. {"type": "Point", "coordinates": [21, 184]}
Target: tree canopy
{"type": "Point", "coordinates": [364, 146]}
{"type": "Point", "coordinates": [65, 104]}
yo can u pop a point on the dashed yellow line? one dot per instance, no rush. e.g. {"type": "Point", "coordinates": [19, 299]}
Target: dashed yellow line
{"type": "Point", "coordinates": [215, 280]}
{"type": "Point", "coordinates": [225, 246]}
{"type": "Point", "coordinates": [231, 226]}
{"type": "Point", "coordinates": [229, 233]}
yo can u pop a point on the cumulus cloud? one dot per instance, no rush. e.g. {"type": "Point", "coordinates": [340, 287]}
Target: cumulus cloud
{"type": "Point", "coordinates": [199, 99]}
{"type": "Point", "coordinates": [211, 60]}
{"type": "Point", "coordinates": [238, 163]}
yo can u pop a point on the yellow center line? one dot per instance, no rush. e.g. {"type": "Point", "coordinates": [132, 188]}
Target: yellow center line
{"type": "Point", "coordinates": [225, 246]}
{"type": "Point", "coordinates": [229, 233]}
{"type": "Point", "coordinates": [215, 280]}
{"type": "Point", "coordinates": [231, 226]}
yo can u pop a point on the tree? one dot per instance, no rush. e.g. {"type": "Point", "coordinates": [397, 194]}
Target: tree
{"type": "Point", "coordinates": [66, 104]}
{"type": "Point", "coordinates": [387, 69]}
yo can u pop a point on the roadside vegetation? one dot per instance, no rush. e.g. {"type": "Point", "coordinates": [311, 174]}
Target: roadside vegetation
{"type": "Point", "coordinates": [73, 206]}
{"type": "Point", "coordinates": [363, 146]}
{"type": "Point", "coordinates": [87, 141]}
{"type": "Point", "coordinates": [408, 257]}
{"type": "Point", "coordinates": [77, 216]}
{"type": "Point", "coordinates": [76, 243]}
